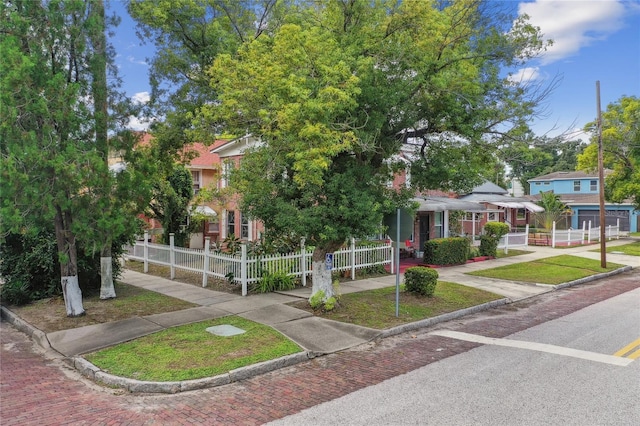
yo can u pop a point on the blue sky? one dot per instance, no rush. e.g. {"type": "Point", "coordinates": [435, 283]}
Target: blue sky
{"type": "Point", "coordinates": [594, 40]}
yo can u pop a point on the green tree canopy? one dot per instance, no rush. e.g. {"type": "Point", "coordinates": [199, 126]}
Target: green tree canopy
{"type": "Point", "coordinates": [336, 90]}
{"type": "Point", "coordinates": [533, 156]}
{"type": "Point", "coordinates": [53, 132]}
{"type": "Point", "coordinates": [621, 150]}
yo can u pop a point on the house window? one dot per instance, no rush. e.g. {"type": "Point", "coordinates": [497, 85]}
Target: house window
{"type": "Point", "coordinates": [470, 216]}
{"type": "Point", "coordinates": [576, 186]}
{"type": "Point", "coordinates": [438, 225]}
{"type": "Point", "coordinates": [547, 183]}
{"type": "Point", "coordinates": [227, 166]}
{"type": "Point", "coordinates": [213, 227]}
{"type": "Point", "coordinates": [244, 226]}
{"type": "Point", "coordinates": [521, 214]}
{"type": "Point", "coordinates": [195, 177]}
{"type": "Point", "coordinates": [492, 217]}
{"type": "Point", "coordinates": [231, 223]}
{"type": "Point", "coordinates": [593, 186]}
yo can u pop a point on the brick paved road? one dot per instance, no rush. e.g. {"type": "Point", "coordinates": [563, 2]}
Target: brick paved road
{"type": "Point", "coordinates": [38, 390]}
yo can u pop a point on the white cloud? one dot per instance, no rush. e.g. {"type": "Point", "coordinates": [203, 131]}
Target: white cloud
{"type": "Point", "coordinates": [133, 60]}
{"type": "Point", "coordinates": [141, 98]}
{"type": "Point", "coordinates": [138, 124]}
{"type": "Point", "coordinates": [574, 24]}
{"type": "Point", "coordinates": [524, 75]}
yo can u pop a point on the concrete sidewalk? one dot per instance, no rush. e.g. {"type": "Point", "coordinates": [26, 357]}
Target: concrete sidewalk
{"type": "Point", "coordinates": [316, 335]}
{"type": "Point", "coordinates": [313, 334]}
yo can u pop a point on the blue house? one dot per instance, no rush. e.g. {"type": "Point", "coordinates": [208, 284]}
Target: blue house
{"type": "Point", "coordinates": [580, 191]}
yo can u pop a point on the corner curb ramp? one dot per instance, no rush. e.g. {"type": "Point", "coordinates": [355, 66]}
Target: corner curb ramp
{"type": "Point", "coordinates": [94, 373]}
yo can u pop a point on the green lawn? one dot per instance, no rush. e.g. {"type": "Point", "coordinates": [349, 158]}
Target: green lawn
{"type": "Point", "coordinates": [552, 270]}
{"type": "Point", "coordinates": [190, 352]}
{"type": "Point", "coordinates": [376, 308]}
{"type": "Point", "coordinates": [632, 249]}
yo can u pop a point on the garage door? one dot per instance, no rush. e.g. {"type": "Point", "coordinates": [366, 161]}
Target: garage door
{"type": "Point", "coordinates": [611, 217]}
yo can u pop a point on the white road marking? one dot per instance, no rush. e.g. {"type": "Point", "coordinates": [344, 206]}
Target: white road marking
{"type": "Point", "coordinates": [540, 347]}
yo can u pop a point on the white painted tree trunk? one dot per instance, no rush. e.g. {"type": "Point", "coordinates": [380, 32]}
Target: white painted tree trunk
{"type": "Point", "coordinates": [107, 290]}
{"type": "Point", "coordinates": [72, 296]}
{"type": "Point", "coordinates": [321, 277]}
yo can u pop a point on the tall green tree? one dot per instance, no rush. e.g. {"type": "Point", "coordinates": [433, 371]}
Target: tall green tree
{"type": "Point", "coordinates": [188, 35]}
{"type": "Point", "coordinates": [53, 132]}
{"type": "Point", "coordinates": [337, 88]}
{"type": "Point", "coordinates": [531, 156]}
{"type": "Point", "coordinates": [621, 150]}
{"type": "Point", "coordinates": [170, 204]}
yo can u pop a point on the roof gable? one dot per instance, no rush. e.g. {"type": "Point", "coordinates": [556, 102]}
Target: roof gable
{"type": "Point", "coordinates": [488, 188]}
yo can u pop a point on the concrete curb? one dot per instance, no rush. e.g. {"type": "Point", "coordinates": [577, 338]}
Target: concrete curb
{"type": "Point", "coordinates": [94, 373]}
{"type": "Point", "coordinates": [90, 371]}
{"type": "Point", "coordinates": [441, 318]}
{"type": "Point", "coordinates": [593, 278]}
{"type": "Point", "coordinates": [37, 335]}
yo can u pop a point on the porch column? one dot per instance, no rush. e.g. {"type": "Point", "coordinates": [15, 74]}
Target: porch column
{"type": "Point", "coordinates": [445, 223]}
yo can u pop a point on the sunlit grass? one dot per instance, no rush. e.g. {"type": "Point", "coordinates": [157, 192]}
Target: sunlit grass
{"type": "Point", "coordinates": [376, 308]}
{"type": "Point", "coordinates": [551, 270]}
{"type": "Point", "coordinates": [190, 352]}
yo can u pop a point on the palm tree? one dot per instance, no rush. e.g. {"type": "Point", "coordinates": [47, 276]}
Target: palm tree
{"type": "Point", "coordinates": [554, 208]}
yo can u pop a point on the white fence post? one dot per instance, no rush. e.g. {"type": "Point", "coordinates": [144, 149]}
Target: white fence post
{"type": "Point", "coordinates": [205, 262]}
{"type": "Point", "coordinates": [553, 235]}
{"type": "Point", "coordinates": [393, 257]}
{"type": "Point", "coordinates": [303, 262]}
{"type": "Point", "coordinates": [506, 243]}
{"type": "Point", "coordinates": [526, 235]}
{"type": "Point", "coordinates": [569, 237]}
{"type": "Point", "coordinates": [584, 228]}
{"type": "Point", "coordinates": [618, 229]}
{"type": "Point", "coordinates": [353, 258]}
{"type": "Point", "coordinates": [172, 255]}
{"type": "Point", "coordinates": [146, 252]}
{"type": "Point", "coordinates": [243, 269]}
{"type": "Point", "coordinates": [589, 234]}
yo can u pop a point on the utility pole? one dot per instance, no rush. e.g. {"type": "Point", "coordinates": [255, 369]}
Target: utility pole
{"type": "Point", "coordinates": [603, 245]}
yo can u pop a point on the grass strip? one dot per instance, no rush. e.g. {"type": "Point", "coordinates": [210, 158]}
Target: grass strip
{"type": "Point", "coordinates": [190, 352]}
{"type": "Point", "coordinates": [376, 308]}
{"type": "Point", "coordinates": [631, 249]}
{"type": "Point", "coordinates": [551, 270]}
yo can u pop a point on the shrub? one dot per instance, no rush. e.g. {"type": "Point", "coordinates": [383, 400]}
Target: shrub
{"type": "Point", "coordinates": [30, 269]}
{"type": "Point", "coordinates": [447, 251]}
{"type": "Point", "coordinates": [274, 281]}
{"type": "Point", "coordinates": [493, 231]}
{"type": "Point", "coordinates": [316, 301]}
{"type": "Point", "coordinates": [420, 280]}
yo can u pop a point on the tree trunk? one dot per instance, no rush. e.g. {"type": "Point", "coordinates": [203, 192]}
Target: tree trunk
{"type": "Point", "coordinates": [107, 289]}
{"type": "Point", "coordinates": [98, 66]}
{"type": "Point", "coordinates": [321, 275]}
{"type": "Point", "coordinates": [66, 242]}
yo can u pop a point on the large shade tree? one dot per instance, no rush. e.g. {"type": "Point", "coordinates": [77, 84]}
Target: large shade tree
{"type": "Point", "coordinates": [531, 156]}
{"type": "Point", "coordinates": [55, 119]}
{"type": "Point", "coordinates": [621, 150]}
{"type": "Point", "coordinates": [335, 90]}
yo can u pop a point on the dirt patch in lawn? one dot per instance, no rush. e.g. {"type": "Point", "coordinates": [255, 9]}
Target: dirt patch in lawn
{"type": "Point", "coordinates": [50, 314]}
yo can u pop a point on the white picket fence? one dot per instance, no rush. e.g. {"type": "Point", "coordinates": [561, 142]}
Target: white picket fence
{"type": "Point", "coordinates": [585, 235]}
{"type": "Point", "coordinates": [514, 239]}
{"type": "Point", "coordinates": [247, 269]}
{"type": "Point", "coordinates": [565, 237]}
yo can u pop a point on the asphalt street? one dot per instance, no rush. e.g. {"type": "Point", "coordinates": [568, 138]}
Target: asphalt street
{"type": "Point", "coordinates": [40, 389]}
{"type": "Point", "coordinates": [559, 372]}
